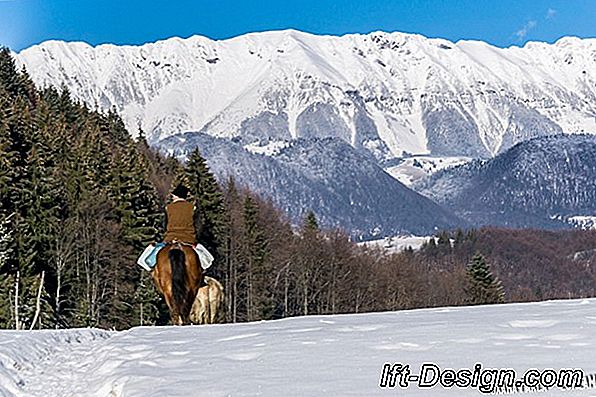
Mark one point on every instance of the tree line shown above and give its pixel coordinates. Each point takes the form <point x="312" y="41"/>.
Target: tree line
<point x="80" y="199"/>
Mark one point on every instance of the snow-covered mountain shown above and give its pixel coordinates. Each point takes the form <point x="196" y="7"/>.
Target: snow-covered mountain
<point x="341" y="355"/>
<point x="344" y="186"/>
<point x="387" y="92"/>
<point x="409" y="104"/>
<point x="543" y="182"/>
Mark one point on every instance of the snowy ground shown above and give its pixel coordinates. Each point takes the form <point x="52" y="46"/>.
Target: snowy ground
<point x="413" y="169"/>
<point x="583" y="222"/>
<point x="398" y="243"/>
<point x="308" y="356"/>
<point x="269" y="149"/>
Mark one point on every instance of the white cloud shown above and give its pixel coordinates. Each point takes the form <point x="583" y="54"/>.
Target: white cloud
<point x="550" y="14"/>
<point x="523" y="32"/>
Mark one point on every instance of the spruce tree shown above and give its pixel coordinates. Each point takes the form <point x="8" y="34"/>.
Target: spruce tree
<point x="15" y="82"/>
<point x="307" y="261"/>
<point x="139" y="209"/>
<point x="82" y="204"/>
<point x="31" y="197"/>
<point x="482" y="286"/>
<point x="310" y="222"/>
<point x="210" y="211"/>
<point x="7" y="154"/>
<point x="459" y="237"/>
<point x="444" y="241"/>
<point x="149" y="306"/>
<point x="232" y="263"/>
<point x="259" y="300"/>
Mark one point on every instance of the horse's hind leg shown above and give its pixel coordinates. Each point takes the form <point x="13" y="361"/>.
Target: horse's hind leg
<point x="177" y="319"/>
<point x="175" y="316"/>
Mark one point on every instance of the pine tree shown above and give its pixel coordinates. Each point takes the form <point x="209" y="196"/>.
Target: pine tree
<point x="307" y="261"/>
<point x="16" y="83"/>
<point x="7" y="154"/>
<point x="29" y="195"/>
<point x="459" y="237"/>
<point x="259" y="296"/>
<point x="429" y="247"/>
<point x="310" y="222"/>
<point x="233" y="265"/>
<point x="149" y="306"/>
<point x="81" y="201"/>
<point x="443" y="241"/>
<point x="113" y="126"/>
<point x="208" y="198"/>
<point x="40" y="204"/>
<point x="483" y="287"/>
<point x="139" y="209"/>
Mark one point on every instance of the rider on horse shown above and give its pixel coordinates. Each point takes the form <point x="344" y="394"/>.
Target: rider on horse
<point x="180" y="225"/>
<point x="180" y="228"/>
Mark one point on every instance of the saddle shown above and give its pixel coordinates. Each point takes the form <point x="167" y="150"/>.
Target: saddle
<point x="178" y="244"/>
<point x="148" y="258"/>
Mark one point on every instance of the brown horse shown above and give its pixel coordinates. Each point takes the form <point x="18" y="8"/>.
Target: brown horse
<point x="177" y="276"/>
<point x="207" y="302"/>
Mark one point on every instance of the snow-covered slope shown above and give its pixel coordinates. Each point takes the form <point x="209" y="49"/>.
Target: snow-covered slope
<point x="344" y="187"/>
<point x="543" y="182"/>
<point x="412" y="169"/>
<point x="388" y="92"/>
<point x="583" y="222"/>
<point x="340" y="355"/>
<point x="397" y="244"/>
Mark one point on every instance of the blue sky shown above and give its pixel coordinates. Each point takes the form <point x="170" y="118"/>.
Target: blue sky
<point x="500" y="22"/>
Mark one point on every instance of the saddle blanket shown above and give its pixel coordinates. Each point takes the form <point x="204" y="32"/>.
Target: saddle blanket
<point x="148" y="258"/>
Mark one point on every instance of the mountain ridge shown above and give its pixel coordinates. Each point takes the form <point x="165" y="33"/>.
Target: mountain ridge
<point x="344" y="186"/>
<point x="560" y="41"/>
<point x="392" y="93"/>
<point x="384" y="95"/>
<point x="542" y="182"/>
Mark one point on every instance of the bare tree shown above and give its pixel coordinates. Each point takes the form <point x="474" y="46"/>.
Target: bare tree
<point x="38" y="301"/>
<point x="63" y="253"/>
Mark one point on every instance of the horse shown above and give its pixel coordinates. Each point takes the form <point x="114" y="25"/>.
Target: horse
<point x="206" y="305"/>
<point x="177" y="276"/>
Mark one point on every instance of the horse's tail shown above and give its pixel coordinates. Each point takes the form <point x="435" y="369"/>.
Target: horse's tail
<point x="179" y="277"/>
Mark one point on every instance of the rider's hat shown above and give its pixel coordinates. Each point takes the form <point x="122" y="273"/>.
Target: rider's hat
<point x="180" y="191"/>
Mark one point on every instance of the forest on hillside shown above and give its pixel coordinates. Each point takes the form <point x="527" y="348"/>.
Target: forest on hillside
<point x="80" y="199"/>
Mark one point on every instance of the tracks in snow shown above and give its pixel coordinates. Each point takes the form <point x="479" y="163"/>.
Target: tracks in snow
<point x="70" y="367"/>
